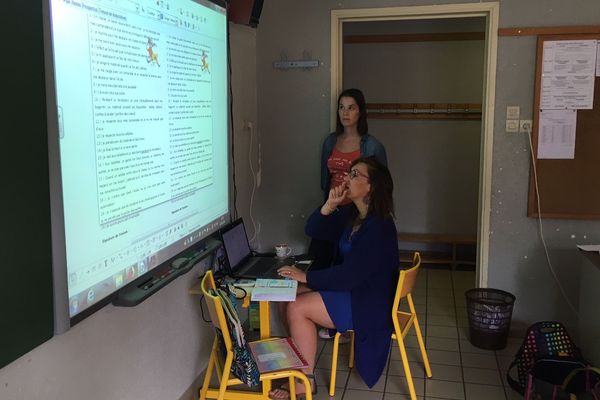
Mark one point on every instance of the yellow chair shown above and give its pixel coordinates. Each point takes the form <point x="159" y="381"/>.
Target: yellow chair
<point x="218" y="318"/>
<point x="402" y="321"/>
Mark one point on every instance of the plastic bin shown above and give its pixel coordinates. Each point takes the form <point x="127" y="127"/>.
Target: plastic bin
<point x="489" y="312"/>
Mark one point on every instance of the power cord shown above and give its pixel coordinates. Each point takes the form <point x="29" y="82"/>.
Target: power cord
<point x="540" y="225"/>
<point x="231" y="119"/>
<point x="254" y="184"/>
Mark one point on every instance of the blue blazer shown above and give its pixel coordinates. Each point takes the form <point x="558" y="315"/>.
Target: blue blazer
<point x="370" y="273"/>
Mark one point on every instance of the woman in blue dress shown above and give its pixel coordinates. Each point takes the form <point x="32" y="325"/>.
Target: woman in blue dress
<point x="358" y="292"/>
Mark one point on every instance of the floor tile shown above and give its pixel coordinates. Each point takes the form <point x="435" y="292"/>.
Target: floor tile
<point x="512" y="346"/>
<point x="324" y="395"/>
<point x="417" y="369"/>
<point x="440" y="309"/>
<point x="438" y="343"/>
<point x="482" y="376"/>
<point x="474" y="360"/>
<point x="353" y="394"/>
<point x="324" y="362"/>
<point x="356" y="382"/>
<point x="449" y="332"/>
<point x="478" y="392"/>
<point x="343" y="348"/>
<point x="323" y="377"/>
<point x="397" y="396"/>
<point x="444" y="389"/>
<point x="442" y="320"/>
<point x="444" y="357"/>
<point x="467" y="347"/>
<point x="446" y="372"/>
<point x="413" y="353"/>
<point x="511" y="394"/>
<point x="398" y="384"/>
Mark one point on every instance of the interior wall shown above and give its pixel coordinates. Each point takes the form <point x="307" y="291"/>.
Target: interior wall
<point x="293" y="115"/>
<point x="434" y="163"/>
<point x="156" y="350"/>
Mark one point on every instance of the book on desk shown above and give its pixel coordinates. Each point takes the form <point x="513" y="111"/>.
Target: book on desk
<point x="274" y="290"/>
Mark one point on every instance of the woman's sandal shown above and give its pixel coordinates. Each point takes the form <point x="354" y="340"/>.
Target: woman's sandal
<point x="283" y="393"/>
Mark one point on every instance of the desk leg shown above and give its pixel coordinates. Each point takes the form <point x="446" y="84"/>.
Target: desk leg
<point x="265" y="320"/>
<point x="265" y="332"/>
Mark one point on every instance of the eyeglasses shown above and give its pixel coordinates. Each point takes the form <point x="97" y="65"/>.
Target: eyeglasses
<point x="354" y="173"/>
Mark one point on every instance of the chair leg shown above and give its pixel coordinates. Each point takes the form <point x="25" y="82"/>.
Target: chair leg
<point x="351" y="360"/>
<point x="292" y="385"/>
<point x="404" y="357"/>
<point x="334" y="357"/>
<point x="209" y="371"/>
<point x="225" y="377"/>
<point x="422" y="347"/>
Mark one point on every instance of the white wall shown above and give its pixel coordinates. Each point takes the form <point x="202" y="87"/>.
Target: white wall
<point x="155" y="350"/>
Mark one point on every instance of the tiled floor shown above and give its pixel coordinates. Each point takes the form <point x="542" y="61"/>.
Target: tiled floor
<point x="460" y="370"/>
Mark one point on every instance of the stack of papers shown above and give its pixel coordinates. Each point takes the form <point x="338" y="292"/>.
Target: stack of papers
<point x="274" y="290"/>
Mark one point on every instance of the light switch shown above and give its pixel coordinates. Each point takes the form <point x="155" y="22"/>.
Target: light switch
<point x="513" y="112"/>
<point x="512" y="125"/>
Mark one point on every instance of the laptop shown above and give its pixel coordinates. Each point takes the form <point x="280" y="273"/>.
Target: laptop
<point x="239" y="260"/>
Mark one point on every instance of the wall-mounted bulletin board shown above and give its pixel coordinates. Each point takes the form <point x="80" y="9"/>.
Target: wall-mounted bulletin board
<point x="566" y="128"/>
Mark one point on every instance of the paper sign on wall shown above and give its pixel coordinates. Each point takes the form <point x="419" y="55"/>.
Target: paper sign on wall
<point x="556" y="135"/>
<point x="568" y="74"/>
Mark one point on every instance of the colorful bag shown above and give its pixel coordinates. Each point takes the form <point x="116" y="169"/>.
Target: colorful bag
<point x="546" y="340"/>
<point x="562" y="380"/>
<point x="243" y="366"/>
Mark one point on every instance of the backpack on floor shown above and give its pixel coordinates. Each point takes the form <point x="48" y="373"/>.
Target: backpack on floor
<point x="549" y="343"/>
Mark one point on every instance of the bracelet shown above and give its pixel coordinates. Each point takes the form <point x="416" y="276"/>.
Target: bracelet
<point x="331" y="209"/>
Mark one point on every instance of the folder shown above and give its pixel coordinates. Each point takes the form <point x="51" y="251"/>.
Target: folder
<point x="277" y="354"/>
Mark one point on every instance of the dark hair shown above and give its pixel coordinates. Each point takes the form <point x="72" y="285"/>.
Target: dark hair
<point x="381" y="201"/>
<point x="359" y="98"/>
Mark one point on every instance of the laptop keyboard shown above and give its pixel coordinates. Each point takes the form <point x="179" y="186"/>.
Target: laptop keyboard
<point x="263" y="267"/>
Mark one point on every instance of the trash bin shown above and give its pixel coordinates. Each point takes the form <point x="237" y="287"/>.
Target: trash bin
<point x="489" y="312"/>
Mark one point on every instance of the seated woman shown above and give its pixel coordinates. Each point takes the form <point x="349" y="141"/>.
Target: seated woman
<point x="358" y="293"/>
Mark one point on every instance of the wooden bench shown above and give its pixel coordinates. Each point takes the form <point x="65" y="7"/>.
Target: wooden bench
<point x="451" y="257"/>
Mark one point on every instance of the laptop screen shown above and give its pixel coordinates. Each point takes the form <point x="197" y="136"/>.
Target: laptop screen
<point x="235" y="243"/>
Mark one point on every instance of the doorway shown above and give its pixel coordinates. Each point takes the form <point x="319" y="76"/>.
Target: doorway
<point x="483" y="14"/>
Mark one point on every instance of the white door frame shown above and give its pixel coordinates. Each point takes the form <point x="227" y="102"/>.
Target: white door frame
<point x="489" y="10"/>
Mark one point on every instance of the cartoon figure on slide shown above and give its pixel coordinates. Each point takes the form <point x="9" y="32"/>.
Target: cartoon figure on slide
<point x="204" y="66"/>
<point x="152" y="55"/>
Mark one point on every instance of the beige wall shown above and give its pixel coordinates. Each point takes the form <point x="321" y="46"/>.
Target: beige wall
<point x="434" y="163"/>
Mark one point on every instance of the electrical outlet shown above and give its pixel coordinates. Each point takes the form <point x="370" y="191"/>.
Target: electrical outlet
<point x="512" y="112"/>
<point x="512" y="125"/>
<point x="525" y="125"/>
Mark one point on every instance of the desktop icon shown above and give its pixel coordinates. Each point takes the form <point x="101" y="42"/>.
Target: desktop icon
<point x="142" y="267"/>
<point x="74" y="306"/>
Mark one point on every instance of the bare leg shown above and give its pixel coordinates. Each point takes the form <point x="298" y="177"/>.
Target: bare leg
<point x="303" y="315"/>
<point x="282" y="306"/>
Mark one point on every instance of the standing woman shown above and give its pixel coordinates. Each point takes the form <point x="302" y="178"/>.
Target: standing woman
<point x="350" y="141"/>
<point x="357" y="293"/>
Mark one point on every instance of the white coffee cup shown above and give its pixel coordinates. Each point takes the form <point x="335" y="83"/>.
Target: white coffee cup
<point x="282" y="250"/>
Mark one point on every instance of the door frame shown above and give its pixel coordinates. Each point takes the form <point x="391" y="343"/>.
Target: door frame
<point x="489" y="10"/>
